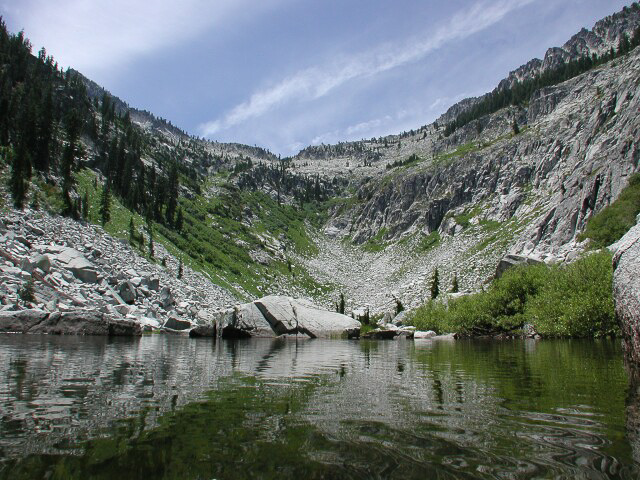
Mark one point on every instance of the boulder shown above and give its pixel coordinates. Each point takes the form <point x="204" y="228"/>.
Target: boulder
<point x="316" y="322"/>
<point x="175" y="323"/>
<point x="295" y="316"/>
<point x="277" y="310"/>
<point x="43" y="262"/>
<point x="75" y="262"/>
<point x="626" y="291"/>
<point x="380" y="335"/>
<point x="20" y="321"/>
<point x="203" y="331"/>
<point x="249" y="318"/>
<point x="509" y="261"/>
<point x="400" y="318"/>
<point x="67" y="323"/>
<point x="279" y="315"/>
<point x="166" y="299"/>
<point x="424" y="335"/>
<point x="127" y="292"/>
<point x="151" y="282"/>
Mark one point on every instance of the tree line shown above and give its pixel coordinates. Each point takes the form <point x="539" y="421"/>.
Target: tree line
<point x="47" y="119"/>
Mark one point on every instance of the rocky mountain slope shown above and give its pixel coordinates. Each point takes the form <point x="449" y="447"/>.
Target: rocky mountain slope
<point x="372" y="219"/>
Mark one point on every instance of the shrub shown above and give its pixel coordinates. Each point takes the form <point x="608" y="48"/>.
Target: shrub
<point x="27" y="292"/>
<point x="576" y="300"/>
<point x="561" y="301"/>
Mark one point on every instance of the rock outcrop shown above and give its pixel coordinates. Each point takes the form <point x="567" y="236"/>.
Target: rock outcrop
<point x="275" y="315"/>
<point x="66" y="323"/>
<point x="626" y="291"/>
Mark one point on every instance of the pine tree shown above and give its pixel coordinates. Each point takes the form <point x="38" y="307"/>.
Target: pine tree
<point x="179" y="220"/>
<point x="18" y="181"/>
<point x="150" y="232"/>
<point x="69" y="156"/>
<point x="454" y="284"/>
<point x="516" y="128"/>
<point x="435" y="284"/>
<point x="180" y="269"/>
<point x="340" y="304"/>
<point x="105" y="203"/>
<point x="173" y="189"/>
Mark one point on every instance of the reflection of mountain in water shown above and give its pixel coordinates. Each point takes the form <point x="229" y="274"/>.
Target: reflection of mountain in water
<point x="530" y="408"/>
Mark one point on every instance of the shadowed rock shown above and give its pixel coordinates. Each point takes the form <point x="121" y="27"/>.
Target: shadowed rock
<point x="626" y="290"/>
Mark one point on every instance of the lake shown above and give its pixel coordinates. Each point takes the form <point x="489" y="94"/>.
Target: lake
<point x="171" y="407"/>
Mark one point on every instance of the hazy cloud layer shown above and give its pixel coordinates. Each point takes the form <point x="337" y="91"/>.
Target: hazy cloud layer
<point x="92" y="35"/>
<point x="317" y="81"/>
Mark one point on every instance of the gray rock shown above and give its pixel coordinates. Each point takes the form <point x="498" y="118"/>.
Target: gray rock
<point x="81" y="268"/>
<point x="626" y="291"/>
<point x="294" y="316"/>
<point x="175" y="323"/>
<point x="509" y="261"/>
<point x="249" y="318"/>
<point x="418" y="335"/>
<point x="21" y="321"/>
<point x="399" y="319"/>
<point x="43" y="262"/>
<point x="127" y="292"/>
<point x="67" y="323"/>
<point x="166" y="299"/>
<point x="151" y="282"/>
<point x="380" y="335"/>
<point x="203" y="331"/>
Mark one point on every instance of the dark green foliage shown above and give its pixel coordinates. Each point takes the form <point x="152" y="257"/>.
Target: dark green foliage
<point x="18" y="180"/>
<point x="515" y="128"/>
<point x="568" y="301"/>
<point x="614" y="221"/>
<point x="454" y="283"/>
<point x="179" y="220"/>
<point x="27" y="292"/>
<point x="399" y="306"/>
<point x="435" y="284"/>
<point x="340" y="305"/>
<point x="576" y="301"/>
<point x="85" y="205"/>
<point x="411" y="160"/>
<point x="105" y="204"/>
<point x="151" y="246"/>
<point x="180" y="269"/>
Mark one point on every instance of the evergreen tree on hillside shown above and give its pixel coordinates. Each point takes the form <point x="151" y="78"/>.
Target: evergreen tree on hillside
<point x="69" y="157"/>
<point x="435" y="284"/>
<point x="173" y="190"/>
<point x="105" y="203"/>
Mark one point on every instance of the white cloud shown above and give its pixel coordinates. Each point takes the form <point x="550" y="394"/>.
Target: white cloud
<point x="90" y="35"/>
<point x="315" y="82"/>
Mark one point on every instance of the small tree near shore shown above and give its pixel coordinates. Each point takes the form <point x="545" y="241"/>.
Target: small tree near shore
<point x="435" y="284"/>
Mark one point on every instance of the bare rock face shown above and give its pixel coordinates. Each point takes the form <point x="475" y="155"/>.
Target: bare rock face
<point x="626" y="291"/>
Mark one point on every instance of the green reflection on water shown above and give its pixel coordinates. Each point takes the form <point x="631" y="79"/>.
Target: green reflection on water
<point x="468" y="409"/>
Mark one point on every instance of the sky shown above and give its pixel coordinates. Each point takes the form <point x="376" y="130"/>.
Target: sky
<point x="285" y="74"/>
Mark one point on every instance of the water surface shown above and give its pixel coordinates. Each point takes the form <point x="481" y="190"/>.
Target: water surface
<point x="172" y="407"/>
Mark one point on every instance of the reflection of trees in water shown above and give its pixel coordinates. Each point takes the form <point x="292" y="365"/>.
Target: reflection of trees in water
<point x="633" y="410"/>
